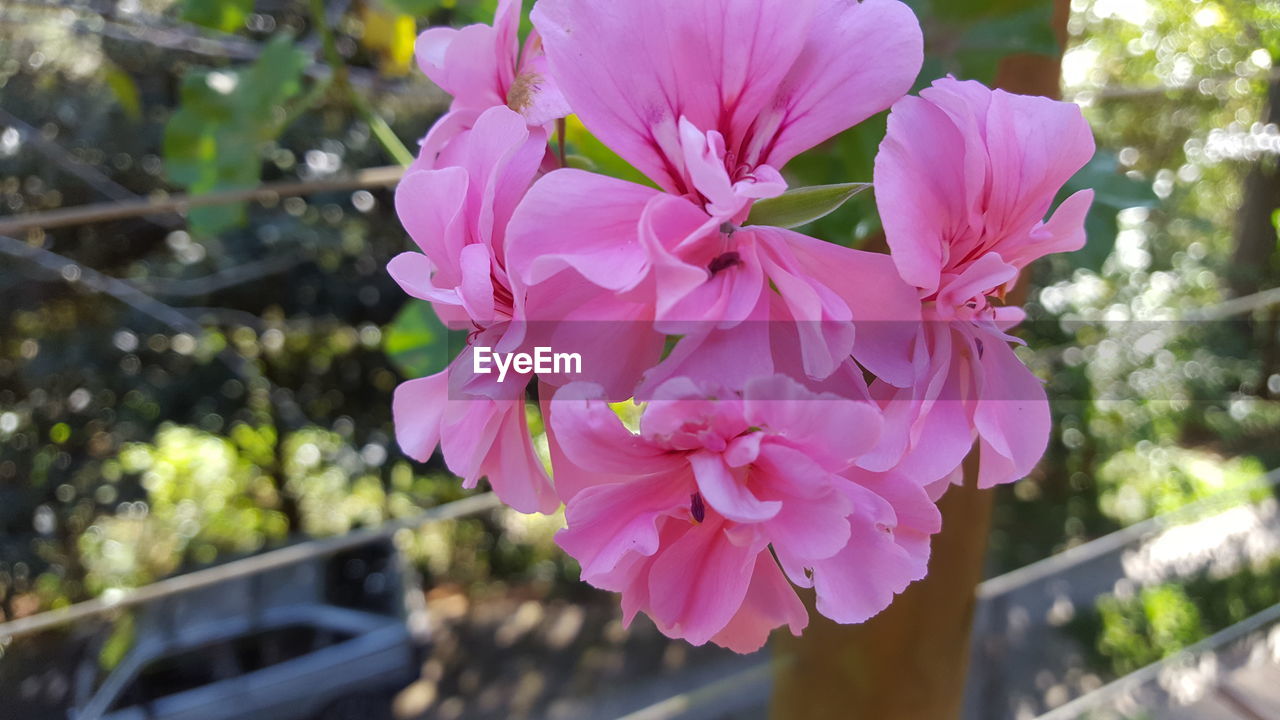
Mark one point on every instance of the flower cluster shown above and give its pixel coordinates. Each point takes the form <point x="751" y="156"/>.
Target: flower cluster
<point x="798" y="406"/>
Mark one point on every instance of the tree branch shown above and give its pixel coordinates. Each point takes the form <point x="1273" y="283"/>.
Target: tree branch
<point x="179" y="204"/>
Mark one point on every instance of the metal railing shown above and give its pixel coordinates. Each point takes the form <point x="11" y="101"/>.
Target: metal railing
<point x="1118" y="689"/>
<point x="253" y="565"/>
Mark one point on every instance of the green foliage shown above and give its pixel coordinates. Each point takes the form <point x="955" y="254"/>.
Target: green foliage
<point x="969" y="38"/>
<point x="1157" y="623"/>
<point x="1135" y="631"/>
<point x="226" y="119"/>
<point x="801" y="206"/>
<point x="1113" y="192"/>
<point x="849" y="156"/>
<point x="585" y="152"/>
<point x="985" y="43"/>
<point x="223" y="15"/>
<point x="451" y="12"/>
<point x="122" y="639"/>
<point x="417" y="343"/>
<point x="204" y="498"/>
<point x="1148" y="480"/>
<point x="1275" y="256"/>
<point x="125" y="91"/>
<point x="416" y="8"/>
<point x="209" y="496"/>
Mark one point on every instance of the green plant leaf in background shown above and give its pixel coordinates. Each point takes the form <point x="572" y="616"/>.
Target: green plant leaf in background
<point x="802" y="206"/>
<point x="1113" y="192"/>
<point x="587" y="152"/>
<point x="968" y="38"/>
<point x="1275" y="256"/>
<point x="417" y="343"/>
<point x="985" y="43"/>
<point x="416" y="8"/>
<point x="224" y="15"/>
<point x="125" y="90"/>
<point x="225" y="118"/>
<point x="848" y="156"/>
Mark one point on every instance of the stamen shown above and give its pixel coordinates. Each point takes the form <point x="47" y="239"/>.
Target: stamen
<point x="697" y="508"/>
<point x="724" y="262"/>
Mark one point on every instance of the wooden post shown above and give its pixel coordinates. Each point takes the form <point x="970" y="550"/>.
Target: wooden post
<point x="909" y="662"/>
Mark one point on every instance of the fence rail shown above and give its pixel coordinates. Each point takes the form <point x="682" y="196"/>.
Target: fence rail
<point x="253" y="565"/>
<point x="378" y="177"/>
<point x="1118" y="689"/>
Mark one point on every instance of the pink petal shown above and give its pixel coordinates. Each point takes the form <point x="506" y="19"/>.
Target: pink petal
<point x="984" y="275"/>
<point x="632" y="68"/>
<point x="809" y="529"/>
<point x="501" y="156"/>
<point x="942" y="431"/>
<point x="438" y="147"/>
<point x="770" y="603"/>
<point x="730" y="358"/>
<point x="822" y="318"/>
<point x="719" y="300"/>
<point x="965" y="171"/>
<point x="476" y="289"/>
<point x="539" y="98"/>
<point x="858" y="582"/>
<point x="885" y="310"/>
<point x="1035" y="145"/>
<point x="513" y="467"/>
<point x="413" y="273"/>
<point x="727" y="493"/>
<point x="580" y="220"/>
<point x="698" y="582"/>
<point x="1012" y="417"/>
<point x="594" y="438"/>
<point x="920" y="189"/>
<point x="831" y="430"/>
<point x="858" y="59"/>
<point x="430" y="208"/>
<point x="1064" y="232"/>
<point x="605" y="522"/>
<point x="475" y="64"/>
<point x="469" y="432"/>
<point x="743" y="450"/>
<point x="418" y="409"/>
<point x="614" y="336"/>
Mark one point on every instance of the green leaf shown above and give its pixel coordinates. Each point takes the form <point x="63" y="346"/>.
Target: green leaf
<point x="1113" y="192"/>
<point x="850" y="154"/>
<point x="416" y="8"/>
<point x="985" y="43"/>
<point x="125" y="90"/>
<point x="224" y="15"/>
<point x="225" y="119"/>
<point x="590" y="152"/>
<point x="417" y="343"/>
<point x="803" y="205"/>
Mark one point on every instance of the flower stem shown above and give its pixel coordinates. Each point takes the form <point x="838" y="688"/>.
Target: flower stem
<point x="342" y="84"/>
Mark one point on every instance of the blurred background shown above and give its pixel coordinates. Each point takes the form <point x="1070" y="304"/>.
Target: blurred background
<point x="203" y="513"/>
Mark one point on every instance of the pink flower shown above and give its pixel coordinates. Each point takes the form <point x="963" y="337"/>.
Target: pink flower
<point x="711" y="98"/>
<point x="710" y="105"/>
<point x="483" y="67"/>
<point x="963" y="181"/>
<point x="458" y="217"/>
<point x="685" y="518"/>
